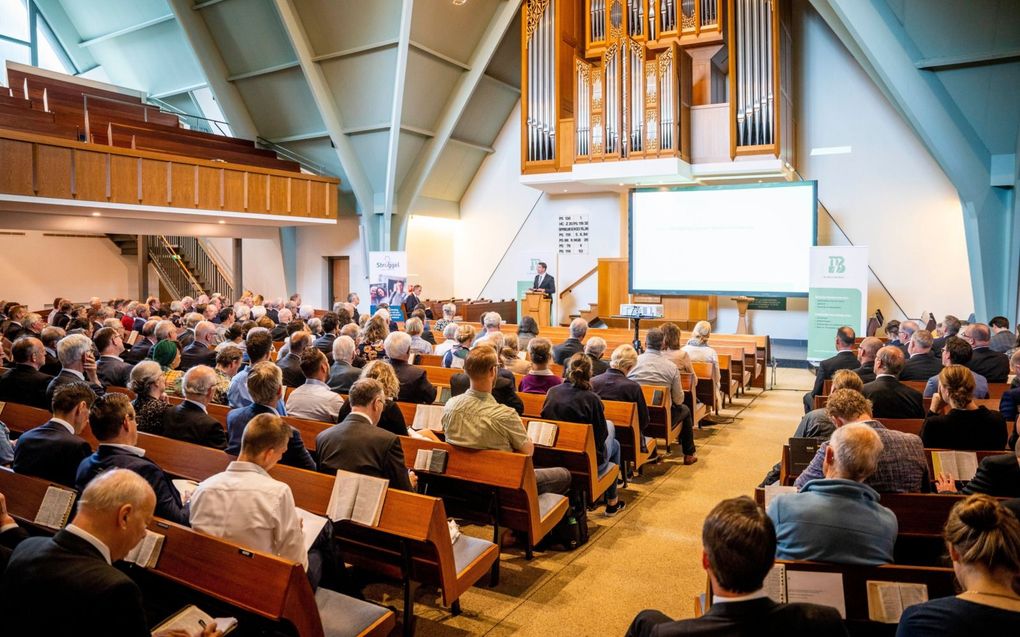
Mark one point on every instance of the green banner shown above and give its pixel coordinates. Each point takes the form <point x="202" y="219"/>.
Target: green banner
<point x="830" y="309"/>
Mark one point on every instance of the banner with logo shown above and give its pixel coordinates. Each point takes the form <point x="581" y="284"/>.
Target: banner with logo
<point x="838" y="296"/>
<point x="387" y="276"/>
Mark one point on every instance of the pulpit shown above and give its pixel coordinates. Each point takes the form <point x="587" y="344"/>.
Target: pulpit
<point x="539" y="307"/>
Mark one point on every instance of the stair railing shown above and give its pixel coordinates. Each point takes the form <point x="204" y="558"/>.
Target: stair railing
<point x="168" y="266"/>
<point x="208" y="274"/>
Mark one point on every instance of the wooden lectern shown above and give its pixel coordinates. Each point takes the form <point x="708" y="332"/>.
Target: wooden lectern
<point x="539" y="307"/>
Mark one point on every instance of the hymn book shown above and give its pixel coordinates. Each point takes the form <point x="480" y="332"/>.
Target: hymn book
<point x="814" y="587"/>
<point x="132" y="337"/>
<point x="146" y="552"/>
<point x="185" y="488"/>
<point x="431" y="460"/>
<point x="962" y="465"/>
<point x="542" y="433"/>
<point x="358" y="498"/>
<point x="888" y="600"/>
<point x="55" y="507"/>
<point x="193" y="620"/>
<point x="428" y="417"/>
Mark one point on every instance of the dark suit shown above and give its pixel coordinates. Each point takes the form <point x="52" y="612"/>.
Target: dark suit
<point x="739" y="619"/>
<point x="52" y="365"/>
<point x="291" y="367"/>
<point x="138" y="352"/>
<point x="414" y="385"/>
<point x="26" y="385"/>
<point x="186" y="337"/>
<point x="342" y="376"/>
<point x="168" y="499"/>
<point x="866" y="372"/>
<point x="279" y="333"/>
<point x="9" y="540"/>
<point x="296" y="454"/>
<point x="614" y="385"/>
<point x="826" y="370"/>
<point x="61" y="320"/>
<point x="197" y="354"/>
<point x="410" y="302"/>
<point x="325" y="345"/>
<point x="50" y="452"/>
<point x="562" y="352"/>
<point x="937" y="345"/>
<point x="504" y="390"/>
<point x="548" y="284"/>
<point x="112" y="371"/>
<point x="189" y="423"/>
<point x="921" y="367"/>
<point x="892" y="399"/>
<point x="997" y="476"/>
<point x="65" y="378"/>
<point x="992" y="365"/>
<point x="356" y="445"/>
<point x="63" y="586"/>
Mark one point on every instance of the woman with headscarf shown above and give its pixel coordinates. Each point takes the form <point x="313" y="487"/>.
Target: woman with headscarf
<point x="168" y="355"/>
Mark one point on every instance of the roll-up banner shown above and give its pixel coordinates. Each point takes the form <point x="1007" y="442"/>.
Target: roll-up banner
<point x="838" y="296"/>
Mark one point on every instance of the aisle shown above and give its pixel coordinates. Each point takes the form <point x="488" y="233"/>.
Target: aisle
<point x="648" y="556"/>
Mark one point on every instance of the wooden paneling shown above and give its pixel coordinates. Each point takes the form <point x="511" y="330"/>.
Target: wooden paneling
<point x="233" y="190"/>
<point x="279" y="199"/>
<point x="299" y="201"/>
<point x="52" y="171"/>
<point x="210" y="188"/>
<point x="258" y="192"/>
<point x="16" y="174"/>
<point x="124" y="179"/>
<point x="154" y="183"/>
<point x="90" y="176"/>
<point x="182" y="186"/>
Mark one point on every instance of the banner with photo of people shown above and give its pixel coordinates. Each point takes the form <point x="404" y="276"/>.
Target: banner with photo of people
<point x="387" y="275"/>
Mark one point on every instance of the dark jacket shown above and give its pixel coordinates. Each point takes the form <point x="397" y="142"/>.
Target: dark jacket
<point x="548" y="284"/>
<point x="410" y="302"/>
<point x="51" y="366"/>
<point x="828" y="368"/>
<point x="921" y="367"/>
<point x="562" y="352"/>
<point x="325" y="345"/>
<point x="64" y="378"/>
<point x="997" y="476"/>
<point x="138" y="352"/>
<point x="341" y="376"/>
<point x="26" y="385"/>
<point x="197" y="354"/>
<point x="113" y="372"/>
<point x="185" y="338"/>
<point x="291" y="367"/>
<point x="9" y="540"/>
<point x="967" y="430"/>
<point x="614" y="385"/>
<point x="570" y="404"/>
<point x="992" y="365"/>
<point x="414" y="385"/>
<point x="754" y="617"/>
<point x="866" y="372"/>
<point x="356" y="445"/>
<point x="296" y="454"/>
<point x="279" y="333"/>
<point x="189" y="423"/>
<point x="50" y="452"/>
<point x="504" y="390"/>
<point x="63" y="586"/>
<point x="168" y="499"/>
<point x="391" y="420"/>
<point x="892" y="399"/>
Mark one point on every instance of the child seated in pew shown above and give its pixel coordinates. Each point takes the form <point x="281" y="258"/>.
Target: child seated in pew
<point x="540" y="378"/>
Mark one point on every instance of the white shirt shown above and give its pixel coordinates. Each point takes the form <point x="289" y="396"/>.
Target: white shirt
<point x="314" y="401"/>
<point x="244" y="504"/>
<point x="91" y="539"/>
<point x="758" y="594"/>
<point x="66" y="424"/>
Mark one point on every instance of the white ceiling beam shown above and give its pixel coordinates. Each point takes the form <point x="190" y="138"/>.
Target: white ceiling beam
<point x="207" y="3"/>
<point x="472" y="145"/>
<point x="276" y="68"/>
<point x="300" y="137"/>
<point x="126" y="30"/>
<point x="180" y="90"/>
<point x="390" y="195"/>
<point x="326" y="105"/>
<point x="382" y="45"/>
<point x="196" y="32"/>
<point x="480" y="58"/>
<point x="967" y="60"/>
<point x="500" y="83"/>
<point x="442" y="57"/>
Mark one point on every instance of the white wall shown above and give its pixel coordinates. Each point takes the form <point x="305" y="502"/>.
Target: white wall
<point x="261" y="263"/>
<point x="314" y="244"/>
<point x="430" y="260"/>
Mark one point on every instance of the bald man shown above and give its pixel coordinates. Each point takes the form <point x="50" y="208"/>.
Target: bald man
<point x="866" y="355"/>
<point x="889" y="397"/>
<point x="202" y="350"/>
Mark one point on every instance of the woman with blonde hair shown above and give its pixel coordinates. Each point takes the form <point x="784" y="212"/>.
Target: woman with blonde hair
<point x="511" y="355"/>
<point x="955" y="421"/>
<point x="392" y="419"/>
<point x="455" y="356"/>
<point x="672" y="349"/>
<point x="370" y="341"/>
<point x="983" y="539"/>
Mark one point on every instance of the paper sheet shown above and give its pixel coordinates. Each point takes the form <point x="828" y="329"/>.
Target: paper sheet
<point x="816" y="588"/>
<point x="311" y="526"/>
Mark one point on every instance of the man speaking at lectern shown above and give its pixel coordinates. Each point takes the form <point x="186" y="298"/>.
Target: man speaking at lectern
<point x="544" y="282"/>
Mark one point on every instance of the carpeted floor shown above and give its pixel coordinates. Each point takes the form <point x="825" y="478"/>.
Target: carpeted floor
<point x="648" y="556"/>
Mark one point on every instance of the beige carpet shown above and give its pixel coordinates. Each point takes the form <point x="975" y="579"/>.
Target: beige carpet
<point x="648" y="556"/>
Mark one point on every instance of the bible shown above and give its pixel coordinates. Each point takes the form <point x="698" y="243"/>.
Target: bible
<point x="431" y="460"/>
<point x="887" y="600"/>
<point x="193" y="620"/>
<point x="146" y="552"/>
<point x="428" y="417"/>
<point x="358" y="498"/>
<point x="132" y="338"/>
<point x="962" y="465"/>
<point x="55" y="507"/>
<point x="542" y="433"/>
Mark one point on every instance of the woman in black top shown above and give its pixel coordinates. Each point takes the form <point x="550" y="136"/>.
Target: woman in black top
<point x="983" y="539"/>
<point x="392" y="419"/>
<point x="956" y="422"/>
<point x="574" y="401"/>
<point x="148" y="383"/>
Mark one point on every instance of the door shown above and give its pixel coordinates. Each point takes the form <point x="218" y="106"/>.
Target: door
<point x="339" y="278"/>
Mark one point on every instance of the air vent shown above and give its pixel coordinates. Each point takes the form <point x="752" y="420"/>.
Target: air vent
<point x="74" y="236"/>
<point x="12" y="234"/>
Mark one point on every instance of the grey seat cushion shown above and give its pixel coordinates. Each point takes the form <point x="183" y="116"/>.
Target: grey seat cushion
<point x="467" y="549"/>
<point x="547" y="502"/>
<point x="344" y="616"/>
<point x="609" y="467"/>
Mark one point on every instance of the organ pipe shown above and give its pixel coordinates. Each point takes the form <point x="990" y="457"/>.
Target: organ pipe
<point x="753" y="74"/>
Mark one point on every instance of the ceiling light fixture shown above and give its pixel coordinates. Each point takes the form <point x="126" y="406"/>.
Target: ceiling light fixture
<point x="97" y="214"/>
<point x="222" y="222"/>
<point x="459" y="3"/>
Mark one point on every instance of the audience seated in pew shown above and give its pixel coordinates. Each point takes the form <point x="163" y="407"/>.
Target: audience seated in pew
<point x="1003" y="339"/>
<point x="50" y="336"/>
<point x="450" y="340"/>
<point x="504" y="390"/>
<point x="957" y="351"/>
<point x="997" y="476"/>
<point x="78" y="365"/>
<point x="25" y="383"/>
<point x="922" y="363"/>
<point x="540" y="378"/>
<point x="244" y="504"/>
<point x="54" y="450"/>
<point x="572" y="345"/>
<point x="956" y="422"/>
<point x="392" y="419"/>
<point x="258" y="345"/>
<point x="843" y="359"/>
<point x="985" y="361"/>
<point x="463" y="338"/>
<point x="265" y="386"/>
<point x="511" y="358"/>
<point x="739" y="549"/>
<point x="414" y="384"/>
<point x="594" y="349"/>
<point x="1010" y="401"/>
<point x="614" y="385"/>
<point x="414" y="328"/>
<point x="314" y="400"/>
<point x="343" y="373"/>
<point x="331" y="322"/>
<point x="190" y="420"/>
<point x="358" y="445"/>
<point x="838" y="518"/>
<point x="449" y="314"/>
<point x="490" y="325"/>
<point x="983" y="540"/>
<point x="698" y="349"/>
<point x="889" y="397"/>
<point x="201" y="350"/>
<point x="290" y="364"/>
<point x="475" y="420"/>
<point x="151" y="404"/>
<point x="6" y="446"/>
<point x="168" y="354"/>
<point x="11" y="535"/>
<point x="902" y="466"/>
<point x="111" y="368"/>
<point x="66" y="584"/>
<point x="654" y="368"/>
<point x="229" y="359"/>
<point x="370" y="341"/>
<point x="527" y="329"/>
<point x="673" y="350"/>
<point x="574" y="401"/>
<point x="112" y="421"/>
<point x="146" y="339"/>
<point x="866" y="353"/>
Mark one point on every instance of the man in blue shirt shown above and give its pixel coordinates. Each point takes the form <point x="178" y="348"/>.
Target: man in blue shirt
<point x="258" y="344"/>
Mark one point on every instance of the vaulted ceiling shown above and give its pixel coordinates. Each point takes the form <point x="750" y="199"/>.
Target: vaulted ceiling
<point x="400" y="99"/>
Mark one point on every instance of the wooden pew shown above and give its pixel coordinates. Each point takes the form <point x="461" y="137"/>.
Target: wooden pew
<point x="707" y="391"/>
<point x="628" y="432"/>
<point x="739" y="373"/>
<point x="258" y="583"/>
<point x="498" y="487"/>
<point x="660" y="408"/>
<point x="429" y="360"/>
<point x="575" y="451"/>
